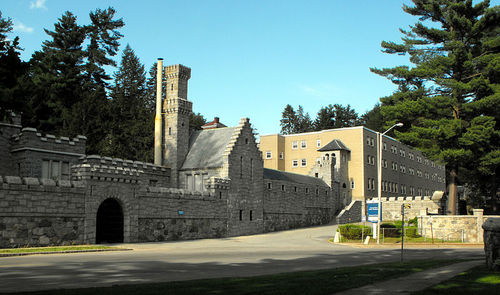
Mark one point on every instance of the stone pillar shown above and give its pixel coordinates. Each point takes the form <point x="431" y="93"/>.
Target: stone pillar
<point x="492" y="243"/>
<point x="479" y="222"/>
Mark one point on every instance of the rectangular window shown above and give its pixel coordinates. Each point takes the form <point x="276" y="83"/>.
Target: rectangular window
<point x="352" y="184"/>
<point x="241" y="215"/>
<point x="65" y="170"/>
<point x="283" y="187"/>
<point x="303" y="162"/>
<point x="189" y="182"/>
<point x="198" y="184"/>
<point x="295" y="145"/>
<point x="281" y="156"/>
<point x="303" y="144"/>
<point x="385" y="146"/>
<point x="268" y="155"/>
<point x="368" y="140"/>
<point x="251" y="215"/>
<point x="295" y="163"/>
<point x="45" y="169"/>
<point x="318" y="143"/>
<point x="269" y="185"/>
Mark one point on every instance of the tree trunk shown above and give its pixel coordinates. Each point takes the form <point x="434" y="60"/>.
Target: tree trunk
<point x="452" y="192"/>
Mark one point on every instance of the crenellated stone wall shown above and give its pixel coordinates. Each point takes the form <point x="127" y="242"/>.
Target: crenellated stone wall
<point x="391" y="206"/>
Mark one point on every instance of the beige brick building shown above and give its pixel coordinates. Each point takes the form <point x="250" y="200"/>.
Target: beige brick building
<point x="405" y="172"/>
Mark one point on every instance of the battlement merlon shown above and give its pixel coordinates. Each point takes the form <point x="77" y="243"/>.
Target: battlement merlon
<point x="119" y="170"/>
<point x="31" y="138"/>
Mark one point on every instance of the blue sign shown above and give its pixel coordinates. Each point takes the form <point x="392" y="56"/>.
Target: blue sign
<point x="372" y="210"/>
<point x="180" y="212"/>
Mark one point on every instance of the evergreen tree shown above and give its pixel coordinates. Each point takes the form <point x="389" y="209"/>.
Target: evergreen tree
<point x="132" y="124"/>
<point x="373" y="119"/>
<point x="12" y="70"/>
<point x="449" y="101"/>
<point x="335" y="116"/>
<point x="196" y="120"/>
<point x="304" y="122"/>
<point x="288" y="121"/>
<point x="68" y="83"/>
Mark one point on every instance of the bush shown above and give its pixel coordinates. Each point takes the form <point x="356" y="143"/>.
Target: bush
<point x="354" y="231"/>
<point x="413" y="221"/>
<point x="390" y="230"/>
<point x="412" y="232"/>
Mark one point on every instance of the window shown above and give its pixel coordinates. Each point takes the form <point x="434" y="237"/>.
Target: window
<point x="268" y="155"/>
<point x="368" y="140"/>
<point x="318" y="160"/>
<point x="295" y="189"/>
<point x="169" y="130"/>
<point x="295" y="145"/>
<point x="269" y="185"/>
<point x="241" y="215"/>
<point x="303" y="163"/>
<point x="241" y="167"/>
<point x="317" y="191"/>
<point x="251" y="215"/>
<point x="282" y="187"/>
<point x="303" y="144"/>
<point x="385" y="163"/>
<point x="318" y="143"/>
<point x="295" y="163"/>
<point x="372" y="142"/>
<point x="352" y="184"/>
<point x="385" y="146"/>
<point x="251" y="168"/>
<point x="55" y="170"/>
<point x="281" y="155"/>
<point x="402" y="153"/>
<point x="307" y="190"/>
<point x="189" y="182"/>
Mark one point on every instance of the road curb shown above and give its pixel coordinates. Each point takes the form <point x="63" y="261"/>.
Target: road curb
<point x="61" y="252"/>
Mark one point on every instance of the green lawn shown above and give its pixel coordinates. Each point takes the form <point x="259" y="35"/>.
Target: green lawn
<point x="478" y="280"/>
<point x="53" y="249"/>
<point x="308" y="282"/>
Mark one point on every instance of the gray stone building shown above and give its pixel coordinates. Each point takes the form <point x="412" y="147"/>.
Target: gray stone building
<point x="204" y="184"/>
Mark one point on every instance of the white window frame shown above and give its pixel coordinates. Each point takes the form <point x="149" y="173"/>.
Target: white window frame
<point x="295" y="163"/>
<point x="269" y="155"/>
<point x="281" y="155"/>
<point x="295" y="145"/>
<point x="303" y="144"/>
<point x="303" y="162"/>
<point x="318" y="142"/>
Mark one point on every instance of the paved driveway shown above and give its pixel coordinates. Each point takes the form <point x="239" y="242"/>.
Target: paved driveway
<point x="286" y="251"/>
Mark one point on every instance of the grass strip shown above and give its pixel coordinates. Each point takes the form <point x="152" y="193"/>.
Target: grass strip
<point x="53" y="249"/>
<point x="477" y="280"/>
<point x="306" y="282"/>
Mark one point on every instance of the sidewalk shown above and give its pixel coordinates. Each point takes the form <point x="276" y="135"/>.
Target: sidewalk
<point x="415" y="282"/>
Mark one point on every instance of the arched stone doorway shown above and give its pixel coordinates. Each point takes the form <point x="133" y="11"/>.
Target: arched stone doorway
<point x="109" y="223"/>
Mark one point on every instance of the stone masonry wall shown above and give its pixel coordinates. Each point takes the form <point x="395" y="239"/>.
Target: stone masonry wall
<point x="454" y="227"/>
<point x="391" y="207"/>
<point x="292" y="205"/>
<point x="40" y="212"/>
<point x="351" y="213"/>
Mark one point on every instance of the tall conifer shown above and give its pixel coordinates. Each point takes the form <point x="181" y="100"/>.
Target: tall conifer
<point x="449" y="100"/>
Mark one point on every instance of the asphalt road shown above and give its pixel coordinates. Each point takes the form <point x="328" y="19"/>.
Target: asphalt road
<point x="287" y="251"/>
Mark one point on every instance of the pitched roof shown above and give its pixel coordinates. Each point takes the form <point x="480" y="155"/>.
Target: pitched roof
<point x="292" y="177"/>
<point x="214" y="124"/>
<point x="334" y="145"/>
<point x="206" y="148"/>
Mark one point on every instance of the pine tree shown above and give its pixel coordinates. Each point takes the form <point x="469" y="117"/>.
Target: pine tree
<point x="373" y="119"/>
<point x="132" y="123"/>
<point x="335" y="116"/>
<point x="12" y="70"/>
<point x="304" y="122"/>
<point x="449" y="100"/>
<point x="288" y="121"/>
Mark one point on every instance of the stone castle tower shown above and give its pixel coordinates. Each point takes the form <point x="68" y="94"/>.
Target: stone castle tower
<point x="174" y="130"/>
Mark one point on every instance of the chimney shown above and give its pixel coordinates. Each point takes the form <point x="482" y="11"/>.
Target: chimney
<point x="158" y="119"/>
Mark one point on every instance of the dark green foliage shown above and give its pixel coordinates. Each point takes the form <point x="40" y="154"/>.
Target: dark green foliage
<point x="12" y="70"/>
<point x="295" y="122"/>
<point x="354" y="231"/>
<point x="335" y="116"/>
<point x="68" y="83"/>
<point x="329" y="117"/>
<point x="131" y="132"/>
<point x="373" y="119"/>
<point x="196" y="121"/>
<point x="449" y="100"/>
<point x="390" y="230"/>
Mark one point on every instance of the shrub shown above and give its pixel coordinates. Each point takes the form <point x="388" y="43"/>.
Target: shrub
<point x="354" y="231"/>
<point x="412" y="232"/>
<point x="413" y="221"/>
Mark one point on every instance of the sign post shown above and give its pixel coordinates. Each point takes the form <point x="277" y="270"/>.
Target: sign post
<point x="373" y="215"/>
<point x="403" y="207"/>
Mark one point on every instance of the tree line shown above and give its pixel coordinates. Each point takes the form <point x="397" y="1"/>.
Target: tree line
<point x="328" y="117"/>
<point x="64" y="88"/>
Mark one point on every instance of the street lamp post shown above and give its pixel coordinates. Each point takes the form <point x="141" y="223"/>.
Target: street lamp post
<point x="379" y="175"/>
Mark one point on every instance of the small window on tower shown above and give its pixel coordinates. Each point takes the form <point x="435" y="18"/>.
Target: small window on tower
<point x="172" y="86"/>
<point x="169" y="130"/>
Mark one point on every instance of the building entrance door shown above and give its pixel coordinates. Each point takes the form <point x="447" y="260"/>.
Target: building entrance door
<point x="109" y="224"/>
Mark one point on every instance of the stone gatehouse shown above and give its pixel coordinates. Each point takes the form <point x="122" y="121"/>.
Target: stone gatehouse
<point x="204" y="184"/>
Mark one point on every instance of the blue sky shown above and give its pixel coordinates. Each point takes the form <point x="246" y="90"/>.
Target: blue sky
<point x="248" y="58"/>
